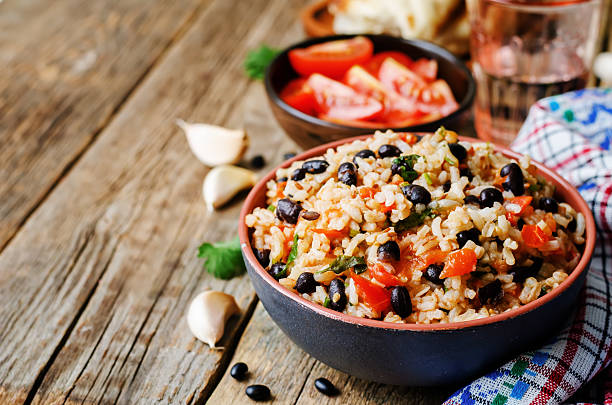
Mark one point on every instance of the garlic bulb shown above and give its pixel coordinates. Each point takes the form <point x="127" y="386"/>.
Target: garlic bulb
<point x="208" y="313"/>
<point x="602" y="67"/>
<point x="224" y="182"/>
<point x="214" y="145"/>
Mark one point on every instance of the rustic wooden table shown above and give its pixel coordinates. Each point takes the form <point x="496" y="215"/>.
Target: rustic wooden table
<point x="101" y="212"/>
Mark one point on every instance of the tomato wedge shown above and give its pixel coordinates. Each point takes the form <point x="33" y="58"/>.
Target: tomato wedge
<point x="516" y="207"/>
<point x="459" y="262"/>
<point x="534" y="236"/>
<point x="338" y="101"/>
<point x="373" y="65"/>
<point x="399" y="78"/>
<point x="426" y="68"/>
<point x="299" y="96"/>
<point x="376" y="297"/>
<point x="380" y="273"/>
<point x="331" y="58"/>
<point x="438" y="98"/>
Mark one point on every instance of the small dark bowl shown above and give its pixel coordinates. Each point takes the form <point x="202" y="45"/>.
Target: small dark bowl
<point x="415" y="354"/>
<point x="308" y="131"/>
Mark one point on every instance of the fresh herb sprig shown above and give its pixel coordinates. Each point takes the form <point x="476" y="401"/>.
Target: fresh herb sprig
<point x="405" y="166"/>
<point x="257" y="60"/>
<point x="223" y="259"/>
<point x="413" y="220"/>
<point x="343" y="263"/>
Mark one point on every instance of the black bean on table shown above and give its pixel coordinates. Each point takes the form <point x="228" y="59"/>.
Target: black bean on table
<point x="325" y="387"/>
<point x="258" y="162"/>
<point x="400" y="301"/>
<point x="458" y="151"/>
<point x="239" y="371"/>
<point x="337" y="296"/>
<point x="471" y="234"/>
<point x="416" y="194"/>
<point x="548" y="204"/>
<point x="288" y="211"/>
<point x="432" y="273"/>
<point x="306" y="283"/>
<point x="388" y="251"/>
<point x="278" y="270"/>
<point x="315" y="166"/>
<point x="489" y="196"/>
<point x="262" y="256"/>
<point x="491" y="293"/>
<point x="388" y="151"/>
<point x="310" y="215"/>
<point x="258" y="392"/>
<point x="298" y="174"/>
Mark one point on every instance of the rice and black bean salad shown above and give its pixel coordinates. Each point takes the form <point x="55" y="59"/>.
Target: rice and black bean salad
<point x="419" y="232"/>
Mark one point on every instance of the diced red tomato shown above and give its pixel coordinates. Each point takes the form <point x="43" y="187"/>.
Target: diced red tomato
<point x="459" y="262"/>
<point x="550" y="221"/>
<point x="376" y="297"/>
<point x="407" y="137"/>
<point x="299" y="96"/>
<point x="522" y="204"/>
<point x="337" y="100"/>
<point x="331" y="58"/>
<point x="373" y="65"/>
<point x="412" y="262"/>
<point x="387" y="208"/>
<point x="367" y="192"/>
<point x="382" y="275"/>
<point x="331" y="233"/>
<point x="426" y="68"/>
<point x="534" y="236"/>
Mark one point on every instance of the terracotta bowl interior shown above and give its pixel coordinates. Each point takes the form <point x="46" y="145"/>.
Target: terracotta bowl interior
<point x="565" y="192"/>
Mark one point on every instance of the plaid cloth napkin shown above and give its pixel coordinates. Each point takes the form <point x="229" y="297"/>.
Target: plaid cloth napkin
<point x="572" y="134"/>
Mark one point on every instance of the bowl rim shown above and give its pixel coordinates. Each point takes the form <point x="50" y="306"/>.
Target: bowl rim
<point x="430" y="47"/>
<point x="582" y="265"/>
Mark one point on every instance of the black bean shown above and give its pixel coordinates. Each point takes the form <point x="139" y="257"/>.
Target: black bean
<point x="458" y="151"/>
<point x="400" y="301"/>
<point x="572" y="225"/>
<point x="510" y="168"/>
<point x="388" y="251"/>
<point x="281" y="179"/>
<point x="288" y="211"/>
<point x="306" y="283"/>
<point x="549" y="204"/>
<point x="239" y="371"/>
<point x="466" y="172"/>
<point x="491" y="293"/>
<point x="432" y="273"/>
<point x="515" y="183"/>
<point x="446" y="186"/>
<point x="258" y="392"/>
<point x="471" y="199"/>
<point x="289" y="155"/>
<point x="363" y="154"/>
<point x="278" y="270"/>
<point x="325" y="387"/>
<point x="520" y="224"/>
<point x="416" y="194"/>
<point x="298" y="174"/>
<point x="471" y="234"/>
<point x="310" y="215"/>
<point x="388" y="151"/>
<point x="522" y="273"/>
<point x="337" y="296"/>
<point x="262" y="256"/>
<point x="315" y="166"/>
<point x="258" y="162"/>
<point x="490" y="195"/>
<point x="347" y="174"/>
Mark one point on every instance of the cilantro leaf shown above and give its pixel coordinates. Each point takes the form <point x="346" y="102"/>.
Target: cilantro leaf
<point x="293" y="253"/>
<point x="223" y="259"/>
<point x="413" y="220"/>
<point x="343" y="263"/>
<point x="405" y="166"/>
<point x="257" y="61"/>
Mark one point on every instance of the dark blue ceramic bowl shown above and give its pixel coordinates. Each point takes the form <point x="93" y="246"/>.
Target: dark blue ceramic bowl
<point x="410" y="354"/>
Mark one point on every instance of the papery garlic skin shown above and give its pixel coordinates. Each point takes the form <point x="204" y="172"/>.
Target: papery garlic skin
<point x="223" y="182"/>
<point x="214" y="145"/>
<point x="208" y="313"/>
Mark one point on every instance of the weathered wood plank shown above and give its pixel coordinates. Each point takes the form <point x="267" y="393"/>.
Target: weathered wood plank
<point x="66" y="69"/>
<point x="290" y="373"/>
<point x="94" y="287"/>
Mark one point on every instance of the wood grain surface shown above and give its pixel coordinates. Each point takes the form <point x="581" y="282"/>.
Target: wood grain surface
<point x="101" y="210"/>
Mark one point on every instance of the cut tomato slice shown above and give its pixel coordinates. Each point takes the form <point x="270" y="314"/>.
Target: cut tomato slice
<point x="383" y="276"/>
<point x="299" y="96"/>
<point x="459" y="262"/>
<point x="399" y="78"/>
<point x="376" y="297"/>
<point x="437" y="98"/>
<point x="331" y="58"/>
<point x="373" y="65"/>
<point x="338" y="101"/>
<point x="426" y="68"/>
<point x="534" y="236"/>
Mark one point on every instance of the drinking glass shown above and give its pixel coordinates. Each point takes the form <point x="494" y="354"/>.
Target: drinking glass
<point x="526" y="50"/>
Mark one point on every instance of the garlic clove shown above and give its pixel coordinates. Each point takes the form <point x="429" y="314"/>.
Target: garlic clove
<point x="602" y="67"/>
<point x="208" y="313"/>
<point x="223" y="182"/>
<point x="214" y="145"/>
